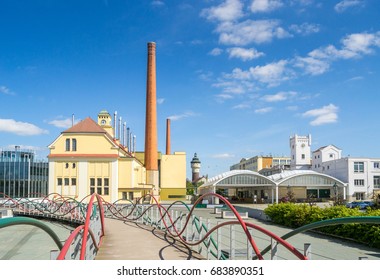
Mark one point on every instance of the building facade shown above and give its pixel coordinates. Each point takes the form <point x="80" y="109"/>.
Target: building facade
<point x="88" y="158"/>
<point x="258" y="163"/>
<point x="300" y="152"/>
<point x="21" y="175"/>
<point x="361" y="174"/>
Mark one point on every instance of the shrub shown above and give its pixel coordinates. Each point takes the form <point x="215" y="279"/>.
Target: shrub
<point x="296" y="215"/>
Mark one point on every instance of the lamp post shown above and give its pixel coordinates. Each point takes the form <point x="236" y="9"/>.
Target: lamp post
<point x="335" y="189"/>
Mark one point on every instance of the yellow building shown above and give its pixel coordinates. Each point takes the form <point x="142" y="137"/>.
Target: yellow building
<point x="87" y="158"/>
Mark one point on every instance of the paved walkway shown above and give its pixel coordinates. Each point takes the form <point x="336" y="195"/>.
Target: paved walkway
<point x="130" y="241"/>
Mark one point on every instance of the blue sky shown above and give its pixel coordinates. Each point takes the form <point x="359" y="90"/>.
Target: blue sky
<point x="237" y="77"/>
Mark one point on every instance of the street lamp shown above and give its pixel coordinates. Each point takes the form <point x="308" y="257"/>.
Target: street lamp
<point x="335" y="189"/>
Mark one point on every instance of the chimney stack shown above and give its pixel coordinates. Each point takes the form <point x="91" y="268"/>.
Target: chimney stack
<point x="151" y="159"/>
<point x="151" y="153"/>
<point x="168" y="152"/>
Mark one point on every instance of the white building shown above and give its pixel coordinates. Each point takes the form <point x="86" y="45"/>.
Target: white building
<point x="323" y="154"/>
<point x="300" y="152"/>
<point x="361" y="174"/>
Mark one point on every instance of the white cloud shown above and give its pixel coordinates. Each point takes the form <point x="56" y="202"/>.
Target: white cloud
<point x="64" y="123"/>
<point x="345" y="4"/>
<point x="244" y="54"/>
<point x="353" y="46"/>
<point x="223" y="97"/>
<point x="216" y="52"/>
<point x="5" y="90"/>
<point x="160" y="101"/>
<point x="305" y="28"/>
<point x="326" y="114"/>
<point x="281" y="96"/>
<point x="271" y="74"/>
<point x="250" y="31"/>
<point x="263" y="110"/>
<point x="265" y="5"/>
<point x="241" y="106"/>
<point x="181" y="116"/>
<point x="229" y="10"/>
<point x="312" y="65"/>
<point x="20" y="128"/>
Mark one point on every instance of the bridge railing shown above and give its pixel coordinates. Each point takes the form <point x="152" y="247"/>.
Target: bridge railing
<point x="85" y="240"/>
<point x="195" y="232"/>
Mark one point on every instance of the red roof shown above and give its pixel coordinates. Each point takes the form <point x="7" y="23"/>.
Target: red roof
<point x="88" y="125"/>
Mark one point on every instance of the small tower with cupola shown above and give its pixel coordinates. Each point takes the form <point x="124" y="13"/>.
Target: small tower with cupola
<point x="195" y="167"/>
<point x="105" y="121"/>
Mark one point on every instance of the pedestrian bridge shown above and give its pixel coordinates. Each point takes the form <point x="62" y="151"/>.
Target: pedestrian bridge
<point x="126" y="230"/>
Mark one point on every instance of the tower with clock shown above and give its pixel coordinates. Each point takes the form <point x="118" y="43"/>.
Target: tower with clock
<point x="300" y="152"/>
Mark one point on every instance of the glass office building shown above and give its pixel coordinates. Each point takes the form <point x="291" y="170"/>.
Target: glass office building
<point x="21" y="175"/>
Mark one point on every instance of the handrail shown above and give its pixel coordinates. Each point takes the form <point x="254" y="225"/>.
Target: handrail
<point x="331" y="222"/>
<point x="6" y="222"/>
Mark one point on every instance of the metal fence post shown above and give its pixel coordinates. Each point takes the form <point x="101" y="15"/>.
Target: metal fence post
<point x="232" y="242"/>
<point x="200" y="235"/>
<point x="307" y="250"/>
<point x="208" y="241"/>
<point x="249" y="247"/>
<point x="219" y="242"/>
<point x="273" y="252"/>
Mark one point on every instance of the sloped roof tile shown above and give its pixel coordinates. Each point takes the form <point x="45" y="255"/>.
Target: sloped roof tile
<point x="88" y="125"/>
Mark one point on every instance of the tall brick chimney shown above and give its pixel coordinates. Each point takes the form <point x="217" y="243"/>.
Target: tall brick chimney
<point x="151" y="156"/>
<point x="168" y="152"/>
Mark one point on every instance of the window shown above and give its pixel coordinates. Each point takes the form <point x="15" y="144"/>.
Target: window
<point x="106" y="182"/>
<point x="376" y="182"/>
<point x="74" y="146"/>
<point x="67" y="165"/>
<point x="99" y="181"/>
<point x="67" y="181"/>
<point x="359" y="167"/>
<point x="376" y="165"/>
<point x="74" y="165"/>
<point x="331" y="155"/>
<point x="124" y="195"/>
<point x="92" y="182"/>
<point x="359" y="196"/>
<point x="106" y="191"/>
<point x="67" y="145"/>
<point x="99" y="190"/>
<point x="59" y="181"/>
<point x="92" y="190"/>
<point x="73" y="181"/>
<point x="359" y="182"/>
<point x="303" y="156"/>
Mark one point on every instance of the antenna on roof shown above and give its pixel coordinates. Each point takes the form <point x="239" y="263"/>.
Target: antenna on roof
<point x="119" y="131"/>
<point x="114" y="124"/>
<point x="124" y="133"/>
